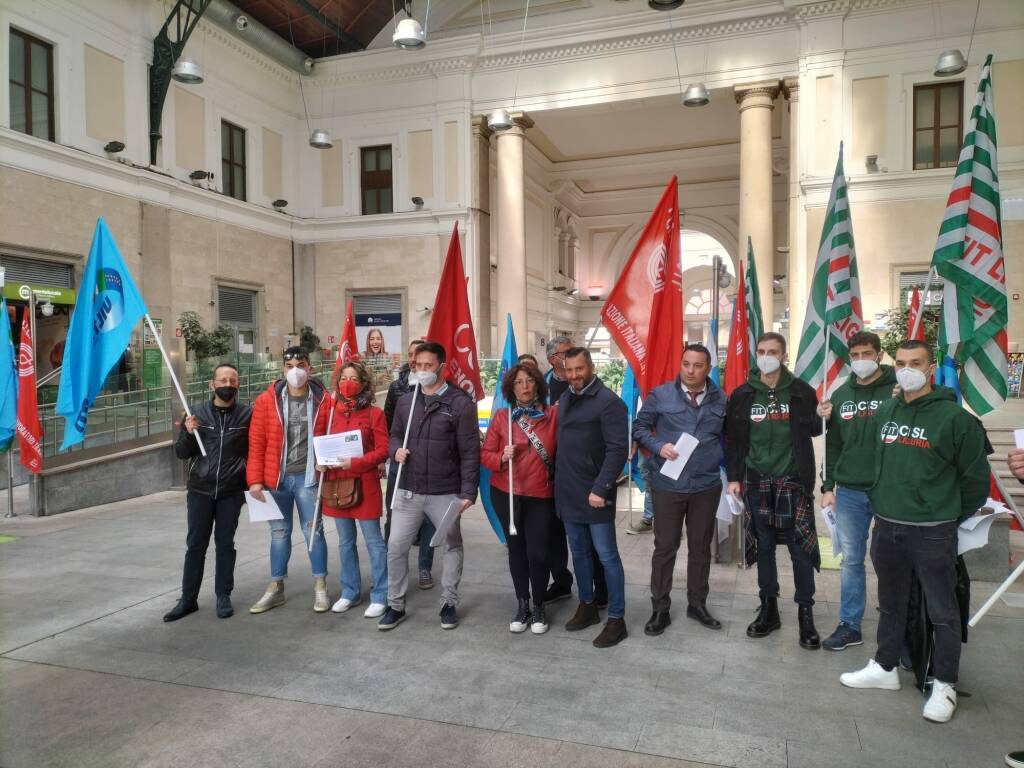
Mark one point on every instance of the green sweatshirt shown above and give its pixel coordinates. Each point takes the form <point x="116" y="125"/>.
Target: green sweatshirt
<point x="850" y="440"/>
<point x="930" y="462"/>
<point x="771" y="441"/>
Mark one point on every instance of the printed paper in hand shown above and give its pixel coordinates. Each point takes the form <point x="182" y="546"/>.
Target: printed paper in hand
<point x="973" y="532"/>
<point x="829" y="513"/>
<point x="450" y="516"/>
<point x="685" y="446"/>
<point x="331" y="449"/>
<point x="260" y="511"/>
<point x="1018" y="437"/>
<point x="734" y="504"/>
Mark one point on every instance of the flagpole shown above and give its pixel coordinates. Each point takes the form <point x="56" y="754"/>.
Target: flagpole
<point x="174" y="379"/>
<point x="924" y="303"/>
<point x="405" y="442"/>
<point x="320" y="482"/>
<point x="511" y="493"/>
<point x="996" y="595"/>
<point x="10" y="481"/>
<point x="629" y="467"/>
<point x="1008" y="499"/>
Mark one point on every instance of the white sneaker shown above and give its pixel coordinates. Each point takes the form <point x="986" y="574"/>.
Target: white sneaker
<point x="344" y="604"/>
<point x="872" y="676"/>
<point x="374" y="610"/>
<point x="941" y="704"/>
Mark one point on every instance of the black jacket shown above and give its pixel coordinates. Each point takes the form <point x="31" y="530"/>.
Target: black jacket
<point x="803" y="424"/>
<point x="397" y="388"/>
<point x="226" y="439"/>
<point x="593" y="442"/>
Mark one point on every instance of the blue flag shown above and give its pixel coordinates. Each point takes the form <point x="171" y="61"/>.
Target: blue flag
<point x="107" y="310"/>
<point x="631" y="396"/>
<point x="946" y="375"/>
<point x="713" y="349"/>
<point x="509" y="357"/>
<point x="8" y="381"/>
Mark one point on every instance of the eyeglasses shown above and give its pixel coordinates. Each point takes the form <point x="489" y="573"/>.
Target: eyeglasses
<point x="296" y="356"/>
<point x="773" y="401"/>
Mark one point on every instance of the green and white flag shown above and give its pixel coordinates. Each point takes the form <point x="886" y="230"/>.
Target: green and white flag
<point x="969" y="259"/>
<point x="833" y="309"/>
<point x="752" y="297"/>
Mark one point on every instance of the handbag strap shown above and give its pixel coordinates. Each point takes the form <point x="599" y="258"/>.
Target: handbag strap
<point x="536" y="443"/>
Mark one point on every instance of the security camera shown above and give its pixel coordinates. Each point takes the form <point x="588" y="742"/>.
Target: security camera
<point x="241" y="22"/>
<point x="417" y="201"/>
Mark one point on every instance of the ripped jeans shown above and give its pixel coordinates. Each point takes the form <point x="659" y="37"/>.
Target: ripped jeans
<point x="292" y="492"/>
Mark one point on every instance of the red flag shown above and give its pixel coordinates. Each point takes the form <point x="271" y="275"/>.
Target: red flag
<point x="737" y="359"/>
<point x="912" y="317"/>
<point x="30" y="431"/>
<point x="995" y="492"/>
<point x="348" y="348"/>
<point x="644" y="311"/>
<point x="451" y="325"/>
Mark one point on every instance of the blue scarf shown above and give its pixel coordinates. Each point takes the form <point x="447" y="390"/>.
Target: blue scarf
<point x="531" y="411"/>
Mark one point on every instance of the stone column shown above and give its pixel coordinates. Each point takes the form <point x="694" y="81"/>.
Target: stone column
<point x="479" y="229"/>
<point x="573" y="263"/>
<point x="756" y="102"/>
<point x="796" y="289"/>
<point x="511" y="204"/>
<point x="562" y="267"/>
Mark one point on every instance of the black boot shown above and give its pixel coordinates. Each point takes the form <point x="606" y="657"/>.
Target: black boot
<point x="181" y="610"/>
<point x="808" y="634"/>
<point x="657" y="623"/>
<point x="586" y="616"/>
<point x="767" y="620"/>
<point x="224" y="609"/>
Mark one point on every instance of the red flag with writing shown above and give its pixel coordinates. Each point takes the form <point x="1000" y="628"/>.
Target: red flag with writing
<point x="737" y="359"/>
<point x="348" y="348"/>
<point x="451" y="325"/>
<point x="644" y="311"/>
<point x="30" y="431"/>
<point x="913" y="318"/>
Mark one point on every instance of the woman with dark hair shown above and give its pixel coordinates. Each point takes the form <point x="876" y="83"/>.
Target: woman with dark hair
<point x="532" y="453"/>
<point x="359" y="501"/>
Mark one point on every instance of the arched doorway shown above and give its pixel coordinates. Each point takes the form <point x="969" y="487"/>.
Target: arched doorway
<point x="698" y="256"/>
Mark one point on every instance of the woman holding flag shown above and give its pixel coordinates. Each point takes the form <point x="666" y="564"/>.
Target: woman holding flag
<point x="531" y="449"/>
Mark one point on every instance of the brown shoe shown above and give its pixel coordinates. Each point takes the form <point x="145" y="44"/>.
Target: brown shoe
<point x="586" y="615"/>
<point x="614" y="632"/>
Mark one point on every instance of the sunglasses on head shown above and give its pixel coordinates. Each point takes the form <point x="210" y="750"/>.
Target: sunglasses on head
<point x="296" y="356"/>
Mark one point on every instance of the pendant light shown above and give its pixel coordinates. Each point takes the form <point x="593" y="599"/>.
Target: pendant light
<point x="409" y="35"/>
<point x="501" y="119"/>
<point x="953" y="61"/>
<point x="188" y="72"/>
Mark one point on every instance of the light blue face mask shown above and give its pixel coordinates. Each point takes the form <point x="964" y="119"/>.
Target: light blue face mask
<point x="423" y="378"/>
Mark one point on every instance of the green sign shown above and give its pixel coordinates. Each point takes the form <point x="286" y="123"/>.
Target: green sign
<point x="22" y="291"/>
<point x="152" y="361"/>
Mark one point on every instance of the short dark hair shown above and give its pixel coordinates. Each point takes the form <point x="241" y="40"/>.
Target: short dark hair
<point x="417" y="342"/>
<point x="526" y="356"/>
<point x="773" y="336"/>
<point x="577" y="351"/>
<point x="295" y="353"/>
<point x="508" y="390"/>
<point x="365" y="378"/>
<point x="433" y="348"/>
<point x="918" y="344"/>
<point x="698" y="348"/>
<point x="223" y="365"/>
<point x="865" y="338"/>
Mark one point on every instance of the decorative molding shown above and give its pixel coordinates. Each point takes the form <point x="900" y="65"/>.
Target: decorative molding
<point x="803" y="10"/>
<point x="249" y="53"/>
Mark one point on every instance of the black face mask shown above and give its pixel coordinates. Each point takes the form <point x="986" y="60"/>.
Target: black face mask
<point x="226" y="394"/>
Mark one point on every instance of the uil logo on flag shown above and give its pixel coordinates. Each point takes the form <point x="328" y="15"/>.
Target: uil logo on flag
<point x="109" y="301"/>
<point x="890" y="432"/>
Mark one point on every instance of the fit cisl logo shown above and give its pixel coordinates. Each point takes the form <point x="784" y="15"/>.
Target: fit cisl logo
<point x="904" y="434"/>
<point x="759" y="413"/>
<point x="850" y="409"/>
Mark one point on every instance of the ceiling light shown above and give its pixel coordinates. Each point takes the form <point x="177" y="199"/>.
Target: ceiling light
<point x="499" y="120"/>
<point x="199" y="175"/>
<point x="113" y="147"/>
<point x="187" y="71"/>
<point x="320" y="139"/>
<point x="279" y="203"/>
<point x="664" y="5"/>
<point x="695" y="95"/>
<point x="950" y="62"/>
<point x="409" y="35"/>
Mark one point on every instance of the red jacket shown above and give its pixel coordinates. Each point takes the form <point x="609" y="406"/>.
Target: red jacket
<point x="371" y="422"/>
<point x="266" y="433"/>
<point x="529" y="475"/>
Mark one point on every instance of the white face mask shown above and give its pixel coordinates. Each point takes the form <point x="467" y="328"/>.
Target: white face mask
<point x="863" y="368"/>
<point x="296" y="377"/>
<point x="425" y="378"/>
<point x="768" y="363"/>
<point x="911" y="379"/>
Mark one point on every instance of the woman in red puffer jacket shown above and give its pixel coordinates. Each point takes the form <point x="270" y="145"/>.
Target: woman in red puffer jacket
<point x="351" y="410"/>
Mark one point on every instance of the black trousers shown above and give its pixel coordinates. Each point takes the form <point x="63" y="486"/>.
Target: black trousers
<point x="558" y="559"/>
<point x="671" y="511"/>
<point x="767" y="569"/>
<point x="528" y="549"/>
<point x="207" y="515"/>
<point x="898" y="551"/>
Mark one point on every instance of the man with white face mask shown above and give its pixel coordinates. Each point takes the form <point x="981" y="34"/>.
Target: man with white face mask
<point x="769" y="459"/>
<point x="281" y="460"/>
<point x="850" y="471"/>
<point x="931" y="471"/>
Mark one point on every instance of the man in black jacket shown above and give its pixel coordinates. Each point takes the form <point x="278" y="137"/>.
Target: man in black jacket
<point x="216" y="485"/>
<point x="769" y="423"/>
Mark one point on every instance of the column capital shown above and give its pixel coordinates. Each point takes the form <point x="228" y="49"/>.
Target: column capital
<point x="760" y="94"/>
<point x="479" y="126"/>
<point x="791" y="88"/>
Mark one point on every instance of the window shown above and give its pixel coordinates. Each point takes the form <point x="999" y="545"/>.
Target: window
<point x="938" y="124"/>
<point x="232" y="159"/>
<point x="911" y="280"/>
<point x="375" y="179"/>
<point x="31" y="85"/>
<point x="236" y="308"/>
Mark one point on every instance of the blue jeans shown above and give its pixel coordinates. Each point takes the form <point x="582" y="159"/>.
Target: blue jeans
<point x="351" y="580"/>
<point x="853" y="519"/>
<point x="292" y="492"/>
<point x="603" y="536"/>
<point x="645" y="473"/>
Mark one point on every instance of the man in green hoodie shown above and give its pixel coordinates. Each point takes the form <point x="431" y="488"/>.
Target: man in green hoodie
<point x="850" y="471"/>
<point x="931" y="471"/>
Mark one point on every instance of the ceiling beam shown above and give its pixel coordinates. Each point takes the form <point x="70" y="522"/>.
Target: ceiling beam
<point x="348" y="42"/>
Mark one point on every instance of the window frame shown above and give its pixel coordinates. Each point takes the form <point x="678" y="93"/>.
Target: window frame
<point x="228" y="179"/>
<point x="937" y="127"/>
<point x="364" y="174"/>
<point x="28" y="40"/>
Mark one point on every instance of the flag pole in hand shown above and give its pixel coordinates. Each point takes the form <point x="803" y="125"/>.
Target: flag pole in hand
<point x="174" y="379"/>
<point x="405" y="441"/>
<point x="320" y="481"/>
<point x="511" y="494"/>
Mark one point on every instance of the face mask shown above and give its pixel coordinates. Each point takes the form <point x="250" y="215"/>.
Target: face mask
<point x="911" y="379"/>
<point x="863" y="368"/>
<point x="768" y="363"/>
<point x="425" y="378"/>
<point x="349" y="388"/>
<point x="226" y="394"/>
<point x="296" y="377"/>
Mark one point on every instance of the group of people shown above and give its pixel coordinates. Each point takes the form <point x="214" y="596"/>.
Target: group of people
<point x="900" y="455"/>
